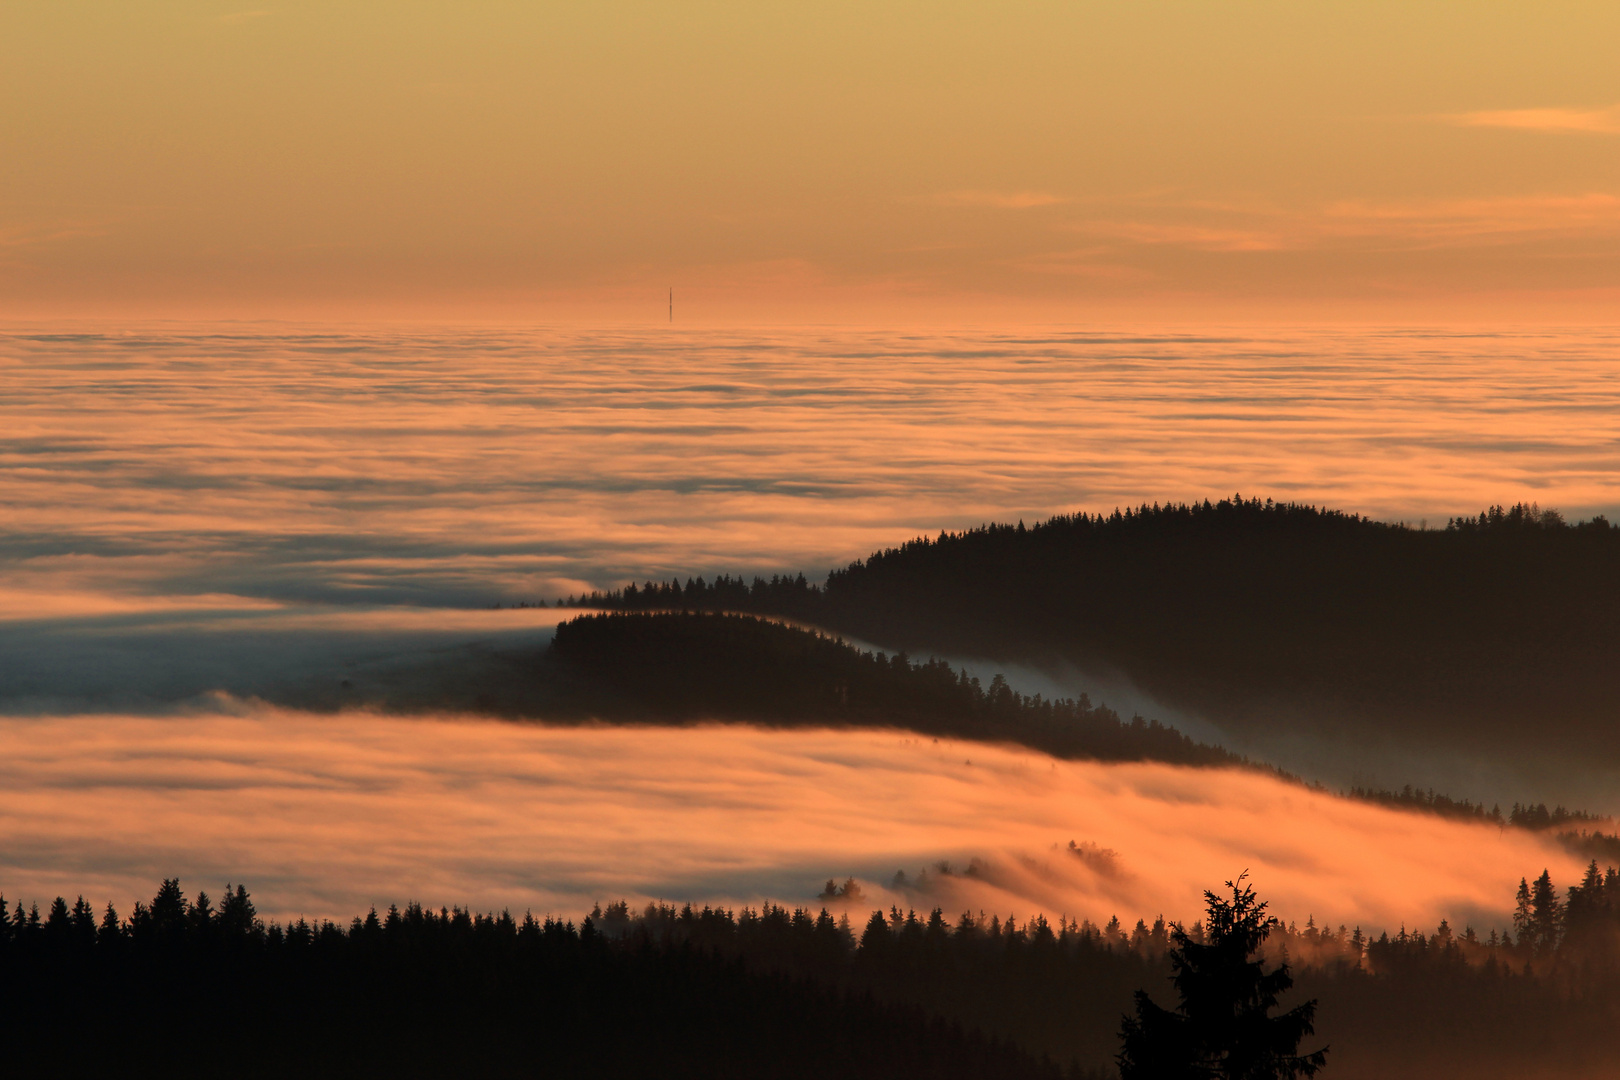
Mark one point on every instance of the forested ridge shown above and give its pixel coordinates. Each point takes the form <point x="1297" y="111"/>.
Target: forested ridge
<point x="706" y="666"/>
<point x="182" y="984"/>
<point x="1248" y="610"/>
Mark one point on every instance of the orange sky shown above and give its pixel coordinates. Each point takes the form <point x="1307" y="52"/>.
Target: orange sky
<point x="868" y="161"/>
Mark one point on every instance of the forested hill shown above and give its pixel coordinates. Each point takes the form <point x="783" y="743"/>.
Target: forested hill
<point x="706" y="666"/>
<point x="1247" y="610"/>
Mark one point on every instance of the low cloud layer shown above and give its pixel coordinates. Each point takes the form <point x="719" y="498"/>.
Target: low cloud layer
<point x="327" y="815"/>
<point x="461" y="468"/>
<point x="159" y="660"/>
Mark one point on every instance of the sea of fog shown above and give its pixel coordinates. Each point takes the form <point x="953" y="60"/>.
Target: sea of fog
<point x="256" y="463"/>
<point x="262" y="511"/>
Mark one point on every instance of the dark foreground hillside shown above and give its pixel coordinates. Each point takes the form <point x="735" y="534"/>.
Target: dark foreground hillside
<point x="184" y="988"/>
<point x="1250" y="611"/>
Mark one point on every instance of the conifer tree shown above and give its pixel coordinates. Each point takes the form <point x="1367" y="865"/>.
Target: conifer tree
<point x="59" y="923"/>
<point x="200" y="916"/>
<point x="1521" y="913"/>
<point x="84" y="923"/>
<point x="876" y="935"/>
<point x="1546" y="914"/>
<point x="168" y="911"/>
<point x="237" y="919"/>
<point x="111" y="930"/>
<point x="1223" y="1028"/>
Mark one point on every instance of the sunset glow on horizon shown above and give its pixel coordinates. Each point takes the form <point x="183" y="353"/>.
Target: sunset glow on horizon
<point x="926" y="164"/>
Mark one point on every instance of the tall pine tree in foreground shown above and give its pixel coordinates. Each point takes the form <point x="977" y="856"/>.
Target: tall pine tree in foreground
<point x="1223" y="1029"/>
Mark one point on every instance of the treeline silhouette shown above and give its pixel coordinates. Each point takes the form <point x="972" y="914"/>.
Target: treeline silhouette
<point x="185" y="988"/>
<point x="1410" y="798"/>
<point x="1576" y="830"/>
<point x="1248" y="610"/>
<point x="783" y="594"/>
<point x="187" y="985"/>
<point x="697" y="665"/>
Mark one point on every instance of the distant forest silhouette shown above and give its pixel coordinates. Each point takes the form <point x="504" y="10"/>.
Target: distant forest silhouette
<point x="190" y="985"/>
<point x="1247" y="611"/>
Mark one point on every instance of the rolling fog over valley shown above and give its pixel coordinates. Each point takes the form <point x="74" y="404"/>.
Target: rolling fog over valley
<point x="276" y="511"/>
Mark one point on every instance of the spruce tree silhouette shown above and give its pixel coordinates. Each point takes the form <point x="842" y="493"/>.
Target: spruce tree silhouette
<point x="1222" y="1028"/>
<point x="168" y="911"/>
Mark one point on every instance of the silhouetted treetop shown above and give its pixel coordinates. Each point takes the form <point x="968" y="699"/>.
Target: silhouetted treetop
<point x="1222" y="1027"/>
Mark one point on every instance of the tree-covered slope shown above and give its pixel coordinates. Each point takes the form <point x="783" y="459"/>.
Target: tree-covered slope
<point x="1251" y="611"/>
<point x="710" y="666"/>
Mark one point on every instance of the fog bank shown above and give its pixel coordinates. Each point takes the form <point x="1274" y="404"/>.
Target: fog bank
<point x="326" y="815"/>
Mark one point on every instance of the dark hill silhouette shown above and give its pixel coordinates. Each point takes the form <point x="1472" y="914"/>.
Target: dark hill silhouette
<point x="682" y="667"/>
<point x="1253" y="612"/>
<point x="707" y="666"/>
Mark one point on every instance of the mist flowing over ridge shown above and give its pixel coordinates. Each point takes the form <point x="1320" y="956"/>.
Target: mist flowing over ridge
<point x="1273" y="620"/>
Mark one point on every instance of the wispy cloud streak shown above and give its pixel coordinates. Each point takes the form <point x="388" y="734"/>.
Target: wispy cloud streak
<point x="1590" y="121"/>
<point x="999" y="200"/>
